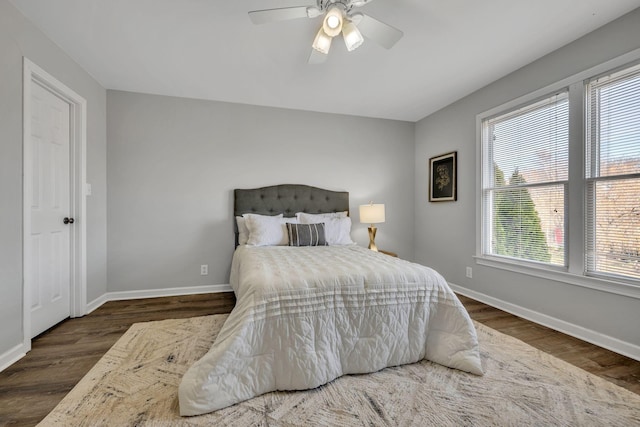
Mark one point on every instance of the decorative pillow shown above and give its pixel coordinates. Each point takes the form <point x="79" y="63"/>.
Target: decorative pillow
<point x="317" y="218"/>
<point x="306" y="234"/>
<point x="266" y="230"/>
<point x="337" y="230"/>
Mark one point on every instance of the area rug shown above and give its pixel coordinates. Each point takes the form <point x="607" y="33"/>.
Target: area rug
<point x="136" y="383"/>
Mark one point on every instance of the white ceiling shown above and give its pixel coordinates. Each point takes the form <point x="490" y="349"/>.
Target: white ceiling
<point x="209" y="49"/>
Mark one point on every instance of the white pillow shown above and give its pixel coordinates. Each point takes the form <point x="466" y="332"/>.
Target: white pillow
<point x="317" y="218"/>
<point x="337" y="231"/>
<point x="243" y="231"/>
<point x="267" y="230"/>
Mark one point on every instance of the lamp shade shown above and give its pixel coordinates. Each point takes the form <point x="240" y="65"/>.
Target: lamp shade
<point x="322" y="43"/>
<point x="372" y="214"/>
<point x="352" y="37"/>
<point x="332" y="23"/>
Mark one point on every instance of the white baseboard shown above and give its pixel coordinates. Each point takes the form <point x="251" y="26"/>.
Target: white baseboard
<point x="155" y="293"/>
<point x="12" y="356"/>
<point x="621" y="347"/>
<point x="96" y="303"/>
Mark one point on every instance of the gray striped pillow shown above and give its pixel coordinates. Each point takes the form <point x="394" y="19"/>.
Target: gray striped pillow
<point x="306" y="234"/>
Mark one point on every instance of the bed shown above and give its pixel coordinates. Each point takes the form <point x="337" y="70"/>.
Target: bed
<point x="307" y="315"/>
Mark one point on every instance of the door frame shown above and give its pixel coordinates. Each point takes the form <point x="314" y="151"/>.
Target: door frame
<point x="33" y="74"/>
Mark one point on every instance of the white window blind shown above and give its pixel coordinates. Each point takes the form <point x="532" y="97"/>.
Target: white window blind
<point x="613" y="174"/>
<point x="525" y="178"/>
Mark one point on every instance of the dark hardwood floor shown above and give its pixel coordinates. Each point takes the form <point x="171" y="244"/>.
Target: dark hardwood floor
<point x="611" y="366"/>
<point x="61" y="356"/>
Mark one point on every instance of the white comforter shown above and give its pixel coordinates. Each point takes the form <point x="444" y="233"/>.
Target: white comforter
<point x="305" y="316"/>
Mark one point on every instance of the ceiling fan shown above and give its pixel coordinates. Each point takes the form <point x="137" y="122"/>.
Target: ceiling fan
<point x="339" y="17"/>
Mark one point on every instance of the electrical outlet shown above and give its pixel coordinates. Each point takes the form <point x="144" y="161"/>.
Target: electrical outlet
<point x="469" y="272"/>
<point x="204" y="269"/>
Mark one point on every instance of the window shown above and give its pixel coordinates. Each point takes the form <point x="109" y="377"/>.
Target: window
<point x="613" y="174"/>
<point x="560" y="181"/>
<point x="525" y="178"/>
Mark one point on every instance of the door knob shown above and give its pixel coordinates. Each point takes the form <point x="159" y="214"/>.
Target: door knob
<point x="68" y="220"/>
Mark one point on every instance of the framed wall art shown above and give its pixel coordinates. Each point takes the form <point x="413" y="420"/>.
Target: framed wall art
<point x="442" y="178"/>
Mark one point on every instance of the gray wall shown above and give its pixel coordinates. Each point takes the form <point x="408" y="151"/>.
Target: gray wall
<point x="173" y="163"/>
<point x="446" y="232"/>
<point x="19" y="38"/>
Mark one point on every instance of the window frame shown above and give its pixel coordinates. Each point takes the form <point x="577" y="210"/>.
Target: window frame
<point x="575" y="272"/>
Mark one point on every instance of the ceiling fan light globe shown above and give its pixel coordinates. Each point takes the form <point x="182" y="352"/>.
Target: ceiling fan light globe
<point x="332" y="23"/>
<point x="352" y="37"/>
<point x="322" y="42"/>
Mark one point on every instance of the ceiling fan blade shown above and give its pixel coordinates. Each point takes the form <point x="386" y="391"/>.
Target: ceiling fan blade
<point x="383" y="34"/>
<point x="274" y="15"/>
<point x="317" y="57"/>
<point x="359" y="3"/>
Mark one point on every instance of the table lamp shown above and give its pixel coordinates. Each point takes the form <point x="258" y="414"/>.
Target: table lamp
<point x="372" y="214"/>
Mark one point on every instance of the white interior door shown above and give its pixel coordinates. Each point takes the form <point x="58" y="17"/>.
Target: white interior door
<point x="50" y="256"/>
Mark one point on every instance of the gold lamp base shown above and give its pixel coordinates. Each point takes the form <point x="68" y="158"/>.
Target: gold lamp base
<point x="372" y="238"/>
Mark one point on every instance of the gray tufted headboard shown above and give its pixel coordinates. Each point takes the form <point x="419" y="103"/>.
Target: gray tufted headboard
<point x="287" y="199"/>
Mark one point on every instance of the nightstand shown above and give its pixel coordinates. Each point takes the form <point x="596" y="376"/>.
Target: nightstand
<point x="388" y="253"/>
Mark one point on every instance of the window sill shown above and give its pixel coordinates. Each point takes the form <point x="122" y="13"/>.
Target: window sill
<point x="560" y="275"/>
